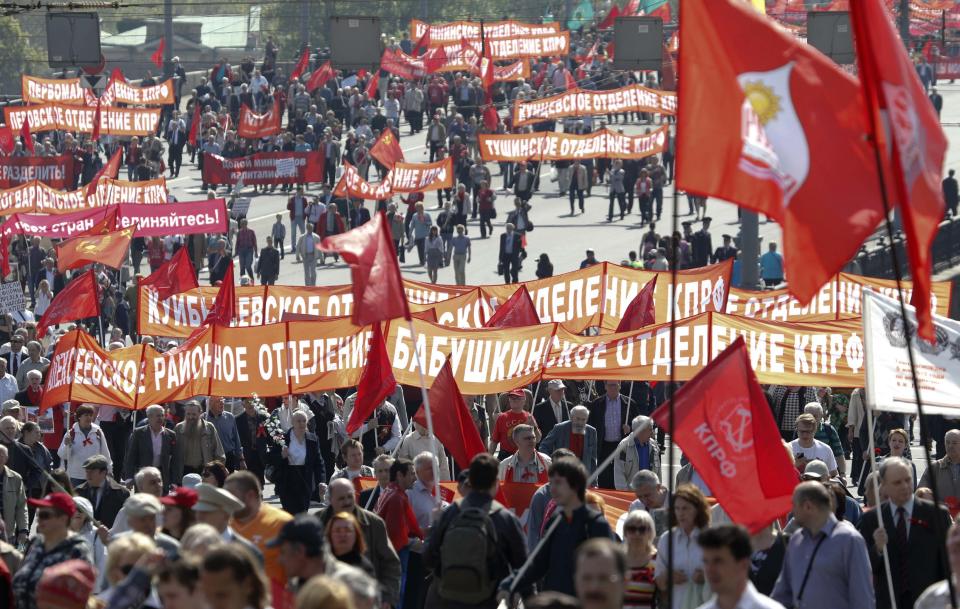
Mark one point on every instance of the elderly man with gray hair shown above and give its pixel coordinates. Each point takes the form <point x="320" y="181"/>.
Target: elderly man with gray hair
<point x="575" y="435"/>
<point x="34" y="361"/>
<point x="527" y="464"/>
<point x="637" y="452"/>
<point x="827" y="434"/>
<point x="151" y="445"/>
<point x="652" y="497"/>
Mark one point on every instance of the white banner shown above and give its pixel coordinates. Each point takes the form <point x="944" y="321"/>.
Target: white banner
<point x="11" y="297"/>
<point x="889" y="383"/>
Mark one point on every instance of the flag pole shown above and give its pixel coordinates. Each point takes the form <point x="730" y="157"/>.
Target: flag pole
<point x="393" y="455"/>
<point x="876" y="490"/>
<point x="426" y="403"/>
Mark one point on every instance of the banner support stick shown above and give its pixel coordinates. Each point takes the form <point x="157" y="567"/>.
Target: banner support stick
<point x="876" y="490"/>
<point x="426" y="404"/>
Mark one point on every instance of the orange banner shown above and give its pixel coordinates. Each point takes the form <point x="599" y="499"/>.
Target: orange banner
<point x="36" y="90"/>
<point x="633" y="98"/>
<point x="839" y="298"/>
<point x="113" y="120"/>
<point x="255" y="126"/>
<point x="556" y="146"/>
<point x="442" y="33"/>
<point x="303" y="356"/>
<point x="68" y="91"/>
<point x="403" y="178"/>
<point x="508" y="73"/>
<point x="36" y="197"/>
<point x="520" y="47"/>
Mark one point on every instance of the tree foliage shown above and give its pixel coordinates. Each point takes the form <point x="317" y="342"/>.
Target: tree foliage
<point x="17" y="56"/>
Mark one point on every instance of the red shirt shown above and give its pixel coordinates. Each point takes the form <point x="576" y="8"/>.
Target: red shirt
<point x="576" y="444"/>
<point x="503" y="428"/>
<point x="394" y="508"/>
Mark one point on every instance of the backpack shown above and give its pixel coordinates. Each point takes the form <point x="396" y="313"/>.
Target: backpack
<point x="467" y="576"/>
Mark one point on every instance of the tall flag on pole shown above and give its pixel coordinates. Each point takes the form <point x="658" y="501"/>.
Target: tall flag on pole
<point x="157" y="57"/>
<point x="302" y="64"/>
<point x="641" y="311"/>
<point x="387" y="149"/>
<point x="784" y="130"/>
<point x="26" y="136"/>
<point x="906" y="123"/>
<point x="374" y="272"/>
<point x="96" y="122"/>
<point x="195" y="123"/>
<point x="376" y="382"/>
<point x="452" y="423"/>
<point x="80" y="299"/>
<point x="173" y="276"/>
<point x="109" y="249"/>
<point x="225" y="304"/>
<point x="423" y="42"/>
<point x="109" y="170"/>
<point x="725" y="427"/>
<point x="516" y="312"/>
<point x="320" y="77"/>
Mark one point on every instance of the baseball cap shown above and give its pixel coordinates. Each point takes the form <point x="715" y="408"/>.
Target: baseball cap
<point x="182" y="496"/>
<point x="66" y="585"/>
<point x="517" y="393"/>
<point x="304" y="529"/>
<point x="142" y="504"/>
<point x="815" y="470"/>
<point x="61" y="502"/>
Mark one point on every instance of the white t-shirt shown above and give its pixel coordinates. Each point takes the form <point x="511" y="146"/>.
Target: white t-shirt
<point x="819" y="450"/>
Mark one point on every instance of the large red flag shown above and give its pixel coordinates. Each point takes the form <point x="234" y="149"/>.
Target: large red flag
<point x="452" y="423"/>
<point x="610" y="19"/>
<point x="768" y="122"/>
<point x="423" y="42"/>
<point x="157" y="57"/>
<point x="373" y="85"/>
<point x="434" y="59"/>
<point x="516" y="312"/>
<point x="725" y="427"/>
<point x="376" y="382"/>
<point x="224" y="305"/>
<point x="109" y="170"/>
<point x="195" y="124"/>
<point x="7" y="142"/>
<point x="173" y="276"/>
<point x="387" y="149"/>
<point x="641" y="310"/>
<point x="26" y="136"/>
<point x="109" y="249"/>
<point x="78" y="300"/>
<point x="375" y="275"/>
<point x="320" y="77"/>
<point x="918" y="145"/>
<point x="302" y="64"/>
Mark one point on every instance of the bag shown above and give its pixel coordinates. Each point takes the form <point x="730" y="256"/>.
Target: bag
<point x="493" y="212"/>
<point x="466" y="576"/>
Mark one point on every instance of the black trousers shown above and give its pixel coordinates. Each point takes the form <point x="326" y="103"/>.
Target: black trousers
<point x="511" y="270"/>
<point x="605" y="480"/>
<point x="578" y="194"/>
<point x="295" y="490"/>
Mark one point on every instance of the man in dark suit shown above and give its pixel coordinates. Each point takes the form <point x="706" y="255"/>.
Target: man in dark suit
<point x="143" y="443"/>
<point x="914" y="533"/>
<point x="613" y="428"/>
<point x="17" y="354"/>
<point x="552" y="410"/>
<point x="268" y="264"/>
<point x="253" y="437"/>
<point x="105" y="495"/>
<point x="221" y="261"/>
<point x="381" y="469"/>
<point x="511" y="253"/>
<point x="359" y="215"/>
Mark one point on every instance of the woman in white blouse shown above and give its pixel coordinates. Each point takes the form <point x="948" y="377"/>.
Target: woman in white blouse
<point x="691" y="514"/>
<point x="301" y="466"/>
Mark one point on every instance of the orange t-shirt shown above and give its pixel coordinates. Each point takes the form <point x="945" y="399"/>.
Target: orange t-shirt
<point x="259" y="530"/>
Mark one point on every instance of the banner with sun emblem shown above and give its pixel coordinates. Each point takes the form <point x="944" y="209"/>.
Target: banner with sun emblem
<point x="109" y="249"/>
<point x="889" y="383"/>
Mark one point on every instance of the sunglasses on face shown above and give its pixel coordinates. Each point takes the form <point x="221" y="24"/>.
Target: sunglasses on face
<point x="635" y="529"/>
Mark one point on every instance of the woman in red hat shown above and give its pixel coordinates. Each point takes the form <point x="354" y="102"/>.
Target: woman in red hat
<point x="55" y="543"/>
<point x="178" y="514"/>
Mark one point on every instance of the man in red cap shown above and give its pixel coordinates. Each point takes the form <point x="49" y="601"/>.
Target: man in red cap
<point x="503" y="428"/>
<point x="55" y="544"/>
<point x="67" y="585"/>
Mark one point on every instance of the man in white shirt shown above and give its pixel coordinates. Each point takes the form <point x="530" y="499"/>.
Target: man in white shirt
<point x="419" y="440"/>
<point x="805" y="448"/>
<point x="422" y="500"/>
<point x="8" y="384"/>
<point x="726" y="565"/>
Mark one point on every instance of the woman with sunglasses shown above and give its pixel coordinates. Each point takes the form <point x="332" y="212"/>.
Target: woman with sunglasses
<point x="638" y="533"/>
<point x="55" y="543"/>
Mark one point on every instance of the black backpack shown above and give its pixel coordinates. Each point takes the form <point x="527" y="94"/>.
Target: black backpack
<point x="468" y="555"/>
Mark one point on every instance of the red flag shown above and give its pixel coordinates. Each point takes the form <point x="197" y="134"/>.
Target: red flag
<point x="96" y="123"/>
<point x="571" y="84"/>
<point x="632" y="8"/>
<point x="452" y="423"/>
<point x="610" y="19"/>
<point x="7" y="142"/>
<point x="109" y="170"/>
<point x="423" y="43"/>
<point x="109" y="249"/>
<point x="610" y="50"/>
<point x="26" y="136"/>
<point x="469" y="53"/>
<point x="302" y="64"/>
<point x="225" y="304"/>
<point x="195" y="124"/>
<point x="640" y="312"/>
<point x="785" y="130"/>
<point x="434" y="59"/>
<point x="361" y="73"/>
<point x="918" y="146"/>
<point x="78" y="300"/>
<point x="157" y="57"/>
<point x="320" y="77"/>
<point x="375" y="275"/>
<point x="387" y="149"/>
<point x="173" y="276"/>
<point x="372" y="86"/>
<point x="376" y="382"/>
<point x="517" y="311"/>
<point x="491" y="118"/>
<point x="108" y="223"/>
<point x="725" y="427"/>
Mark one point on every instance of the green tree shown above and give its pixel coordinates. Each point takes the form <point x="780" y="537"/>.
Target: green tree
<point x="17" y="56"/>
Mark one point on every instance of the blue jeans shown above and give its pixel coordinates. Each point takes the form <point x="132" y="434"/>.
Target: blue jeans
<point x="404" y="555"/>
<point x="246" y="262"/>
<point x="296" y="223"/>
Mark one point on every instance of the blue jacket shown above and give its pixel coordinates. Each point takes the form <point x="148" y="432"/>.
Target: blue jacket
<point x="559" y="437"/>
